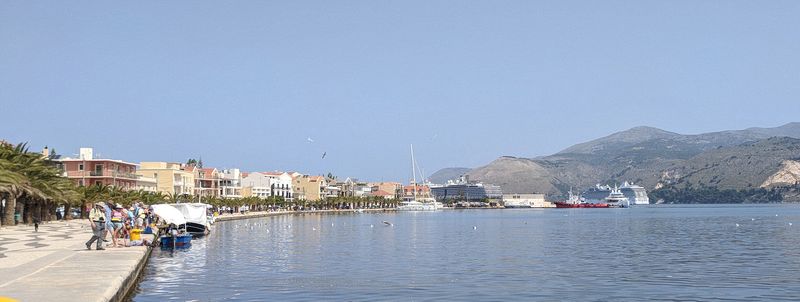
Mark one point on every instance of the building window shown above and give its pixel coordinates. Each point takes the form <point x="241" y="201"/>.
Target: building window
<point x="80" y="167"/>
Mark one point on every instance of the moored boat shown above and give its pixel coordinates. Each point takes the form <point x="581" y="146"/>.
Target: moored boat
<point x="176" y="241"/>
<point x="575" y="201"/>
<point x="617" y="199"/>
<point x="417" y="203"/>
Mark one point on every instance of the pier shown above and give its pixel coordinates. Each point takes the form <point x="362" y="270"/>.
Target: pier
<point x="54" y="264"/>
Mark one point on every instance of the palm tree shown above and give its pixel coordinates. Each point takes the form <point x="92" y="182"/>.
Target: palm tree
<point x="32" y="184"/>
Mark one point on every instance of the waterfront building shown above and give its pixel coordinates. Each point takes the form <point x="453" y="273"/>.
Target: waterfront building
<point x="147" y="184"/>
<point x="171" y="178"/>
<point x="88" y="169"/>
<point x="384" y="194"/>
<point x="257" y="184"/>
<point x="394" y="188"/>
<point x="230" y="183"/>
<point x="351" y="187"/>
<point x="519" y="200"/>
<point x="466" y="192"/>
<point x="281" y="184"/>
<point x="207" y="182"/>
<point x="309" y="187"/>
<point x="422" y="191"/>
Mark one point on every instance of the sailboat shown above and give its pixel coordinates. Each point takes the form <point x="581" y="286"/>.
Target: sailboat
<point x="416" y="204"/>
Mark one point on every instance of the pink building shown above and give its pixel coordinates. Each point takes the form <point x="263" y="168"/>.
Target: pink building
<point x="87" y="170"/>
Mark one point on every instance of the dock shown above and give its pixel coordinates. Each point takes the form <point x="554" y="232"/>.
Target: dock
<point x="54" y="264"/>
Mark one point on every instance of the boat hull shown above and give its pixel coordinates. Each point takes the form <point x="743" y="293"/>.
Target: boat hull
<point x="581" y="205"/>
<point x="180" y="241"/>
<point x="195" y="229"/>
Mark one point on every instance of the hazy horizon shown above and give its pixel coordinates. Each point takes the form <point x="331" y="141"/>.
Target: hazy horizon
<point x="246" y="85"/>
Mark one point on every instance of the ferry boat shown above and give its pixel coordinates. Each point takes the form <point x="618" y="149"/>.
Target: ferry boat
<point x="636" y="195"/>
<point x="617" y="199"/>
<point x="576" y="201"/>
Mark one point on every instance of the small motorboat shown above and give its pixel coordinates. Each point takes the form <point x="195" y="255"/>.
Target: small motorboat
<point x="175" y="241"/>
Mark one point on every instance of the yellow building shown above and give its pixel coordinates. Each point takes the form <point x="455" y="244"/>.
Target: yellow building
<point x="170" y="177"/>
<point x="309" y="187"/>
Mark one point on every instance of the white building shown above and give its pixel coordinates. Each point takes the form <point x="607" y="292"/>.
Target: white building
<point x="281" y="184"/>
<point x="526" y="201"/>
<point x="230" y="183"/>
<point x="256" y="184"/>
<point x="147" y="184"/>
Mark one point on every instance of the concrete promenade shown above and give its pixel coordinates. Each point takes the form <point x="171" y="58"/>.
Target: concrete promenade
<point x="54" y="265"/>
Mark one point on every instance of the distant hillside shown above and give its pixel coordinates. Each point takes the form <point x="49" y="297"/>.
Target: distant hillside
<point x="443" y="175"/>
<point x="654" y="158"/>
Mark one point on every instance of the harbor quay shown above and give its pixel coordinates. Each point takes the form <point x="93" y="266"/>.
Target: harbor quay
<point x="53" y="264"/>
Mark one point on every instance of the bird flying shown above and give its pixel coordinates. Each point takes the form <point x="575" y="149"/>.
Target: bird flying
<point x="309" y="140"/>
<point x="323" y="154"/>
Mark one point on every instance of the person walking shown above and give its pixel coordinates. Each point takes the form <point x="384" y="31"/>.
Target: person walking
<point x="97" y="218"/>
<point x="109" y="227"/>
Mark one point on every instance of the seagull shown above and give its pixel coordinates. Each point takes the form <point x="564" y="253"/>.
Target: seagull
<point x="309" y="140"/>
<point x="790" y="224"/>
<point x="387" y="223"/>
<point x="372" y="225"/>
<point x="323" y="154"/>
<point x="752" y="219"/>
<point x="313" y="228"/>
<point x="474" y="227"/>
<point x="737" y="225"/>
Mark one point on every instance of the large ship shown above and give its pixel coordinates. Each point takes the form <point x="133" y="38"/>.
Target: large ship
<point x="576" y="201"/>
<point x="636" y="195"/>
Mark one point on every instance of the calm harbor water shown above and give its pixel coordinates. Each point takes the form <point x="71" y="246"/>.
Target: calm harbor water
<point x="664" y="253"/>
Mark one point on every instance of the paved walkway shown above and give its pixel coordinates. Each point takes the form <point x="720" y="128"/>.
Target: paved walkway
<point x="54" y="265"/>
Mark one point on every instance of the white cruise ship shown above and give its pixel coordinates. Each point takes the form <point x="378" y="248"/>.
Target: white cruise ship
<point x="636" y="195"/>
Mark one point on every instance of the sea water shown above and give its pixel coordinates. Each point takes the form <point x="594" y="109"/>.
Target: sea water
<point x="657" y="252"/>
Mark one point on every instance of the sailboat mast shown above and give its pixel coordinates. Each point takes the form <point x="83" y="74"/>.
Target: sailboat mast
<point x="414" y="172"/>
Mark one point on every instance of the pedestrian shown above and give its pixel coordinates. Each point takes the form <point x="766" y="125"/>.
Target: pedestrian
<point x="118" y="220"/>
<point x="109" y="227"/>
<point x="97" y="220"/>
<point x="36" y="224"/>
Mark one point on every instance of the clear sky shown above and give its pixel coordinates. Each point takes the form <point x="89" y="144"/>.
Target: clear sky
<point x="245" y="83"/>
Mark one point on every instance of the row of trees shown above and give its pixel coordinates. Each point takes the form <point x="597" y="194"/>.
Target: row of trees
<point x="705" y="194"/>
<point x="33" y="187"/>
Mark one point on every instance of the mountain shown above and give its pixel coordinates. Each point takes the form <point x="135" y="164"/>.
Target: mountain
<point x="443" y="175"/>
<point x="655" y="158"/>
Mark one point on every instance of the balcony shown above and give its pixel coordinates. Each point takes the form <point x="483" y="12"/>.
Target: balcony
<point x="101" y="174"/>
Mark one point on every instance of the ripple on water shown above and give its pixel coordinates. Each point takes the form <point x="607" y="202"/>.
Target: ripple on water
<point x="643" y="253"/>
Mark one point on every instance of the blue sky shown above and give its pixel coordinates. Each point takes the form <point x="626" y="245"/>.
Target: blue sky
<point x="245" y="83"/>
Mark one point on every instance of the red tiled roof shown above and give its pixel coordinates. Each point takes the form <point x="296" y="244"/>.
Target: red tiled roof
<point x="381" y="193"/>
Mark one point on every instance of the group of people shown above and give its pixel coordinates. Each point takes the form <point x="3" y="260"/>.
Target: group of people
<point x="120" y="222"/>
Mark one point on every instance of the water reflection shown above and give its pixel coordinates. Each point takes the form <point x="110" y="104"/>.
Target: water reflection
<point x="643" y="253"/>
